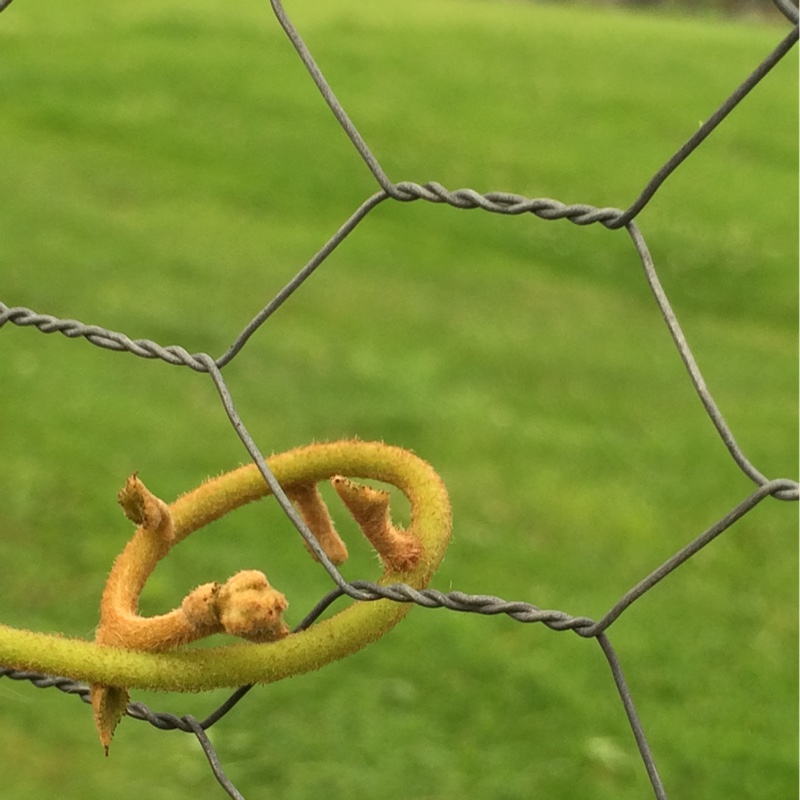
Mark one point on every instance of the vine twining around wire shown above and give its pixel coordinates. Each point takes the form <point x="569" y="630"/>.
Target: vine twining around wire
<point x="134" y="651"/>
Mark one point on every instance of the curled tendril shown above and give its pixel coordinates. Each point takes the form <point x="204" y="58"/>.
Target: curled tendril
<point x="132" y="651"/>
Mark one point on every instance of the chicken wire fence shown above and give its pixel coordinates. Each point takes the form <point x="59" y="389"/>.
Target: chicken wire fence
<point x="494" y="202"/>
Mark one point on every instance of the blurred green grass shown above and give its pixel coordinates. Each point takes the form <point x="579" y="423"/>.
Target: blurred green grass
<point x="168" y="169"/>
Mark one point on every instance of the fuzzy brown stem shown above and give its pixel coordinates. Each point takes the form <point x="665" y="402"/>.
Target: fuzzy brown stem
<point x="315" y="513"/>
<point x="399" y="551"/>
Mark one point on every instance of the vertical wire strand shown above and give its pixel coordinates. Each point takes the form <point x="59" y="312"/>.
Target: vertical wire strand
<point x="633" y="717"/>
<point x="213" y="759"/>
<point x="706" y="129"/>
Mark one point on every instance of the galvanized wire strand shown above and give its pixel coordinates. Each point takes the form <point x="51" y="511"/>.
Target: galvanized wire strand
<point x="471" y="199"/>
<point x="301" y="277"/>
<point x="228" y="705"/>
<point x="714" y="414"/>
<point x="506" y="203"/>
<point x="272" y="481"/>
<point x="330" y="98"/>
<point x="497" y="202"/>
<point x="521" y="611"/>
<point x="102" y="337"/>
<point x="685" y="553"/>
<point x="633" y="717"/>
<point x="788" y="10"/>
<point x="500" y="202"/>
<point x="213" y="760"/>
<point x="162" y="720"/>
<point x="66" y="685"/>
<point x="707" y="128"/>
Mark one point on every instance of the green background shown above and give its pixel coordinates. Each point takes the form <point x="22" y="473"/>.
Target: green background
<point x="166" y="168"/>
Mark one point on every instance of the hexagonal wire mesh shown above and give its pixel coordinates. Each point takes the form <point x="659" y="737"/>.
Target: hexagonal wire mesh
<point x="494" y="202"/>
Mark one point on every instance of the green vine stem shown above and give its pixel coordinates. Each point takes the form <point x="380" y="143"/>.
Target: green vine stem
<point x="190" y="669"/>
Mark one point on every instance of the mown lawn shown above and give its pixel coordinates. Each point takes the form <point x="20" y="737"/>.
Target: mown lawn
<point x="167" y="168"/>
